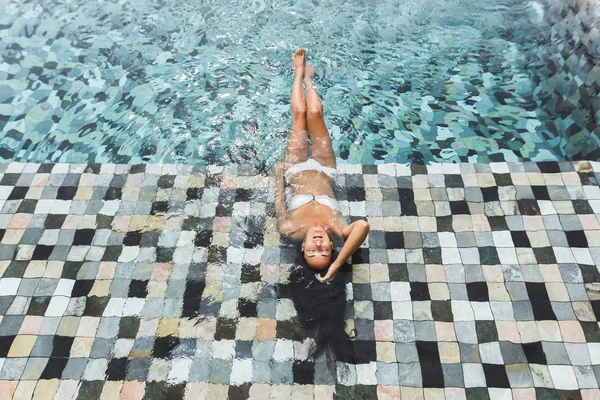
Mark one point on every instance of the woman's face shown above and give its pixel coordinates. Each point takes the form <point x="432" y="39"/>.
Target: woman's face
<point x="317" y="248"/>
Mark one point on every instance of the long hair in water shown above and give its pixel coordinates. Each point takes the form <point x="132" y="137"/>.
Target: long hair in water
<point x="321" y="308"/>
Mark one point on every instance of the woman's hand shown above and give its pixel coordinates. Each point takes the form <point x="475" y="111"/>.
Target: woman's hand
<point x="333" y="269"/>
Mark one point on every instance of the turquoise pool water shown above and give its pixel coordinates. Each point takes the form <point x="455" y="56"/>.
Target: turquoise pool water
<point x="208" y="82"/>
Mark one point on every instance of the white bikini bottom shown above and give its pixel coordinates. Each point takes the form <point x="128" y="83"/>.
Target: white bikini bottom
<point x="293" y="202"/>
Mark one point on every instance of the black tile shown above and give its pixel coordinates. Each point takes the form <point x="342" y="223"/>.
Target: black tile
<point x="241" y="392"/>
<point x="488" y="256"/>
<point x="520" y="239"/>
<point x="224" y="210"/>
<point x="582" y="207"/>
<point x="495" y="376"/>
<point x="216" y="254"/>
<point x="194" y="193"/>
<point x="149" y="239"/>
<point x="453" y="181"/>
<point x="428" y="352"/>
<point x="113" y="193"/>
<point x="203" y="238"/>
<point x="419" y="291"/>
<point x="54" y="221"/>
<point x="54" y="368"/>
<point x="18" y="193"/>
<point x="287" y="330"/>
<point x="166" y="181"/>
<point x="83" y="237"/>
<point x="71" y="269"/>
<point x="82" y="287"/>
<point x="548" y="167"/>
<point x="243" y="349"/>
<point x="159" y="207"/>
<point x="546" y="394"/>
<point x="534" y="353"/>
<point x="528" y="207"/>
<point x="164" y="391"/>
<point x="95" y="305"/>
<point x="540" y="192"/>
<point x="441" y="310"/>
<point x="591" y="331"/>
<point x="569" y="395"/>
<point x="486" y="331"/>
<point x="66" y="192"/>
<point x="42" y="252"/>
<point x="304" y="372"/>
<point x="192" y="298"/>
<point x="459" y="208"/>
<point x="16" y="269"/>
<point x="478" y="291"/>
<point x="5" y="343"/>
<point x="247" y="308"/>
<point x="226" y="329"/>
<point x="444" y="224"/>
<point x="10" y="179"/>
<point x="498" y="223"/>
<point x="250" y="273"/>
<point x="117" y="368"/>
<point x="138" y="288"/>
<point x="503" y="179"/>
<point x="362" y="292"/>
<point x="399" y="273"/>
<point x="164" y="254"/>
<point x="128" y="327"/>
<point x="490" y="193"/>
<point x="383" y="310"/>
<point x="61" y="346"/>
<point x="537" y="291"/>
<point x="542" y="310"/>
<point x="112" y="253"/>
<point x="544" y="255"/>
<point x="27" y="206"/>
<point x="243" y="195"/>
<point x="407" y="202"/>
<point x="356" y="194"/>
<point x="588" y="179"/>
<point x="432" y="255"/>
<point x="163" y="346"/>
<point x="576" y="238"/>
<point x="394" y="240"/>
<point x="365" y="351"/>
<point x="2" y="233"/>
<point x="477" y="394"/>
<point x="432" y="374"/>
<point x="253" y="240"/>
<point x="38" y="305"/>
<point x="133" y="238"/>
<point x="361" y="256"/>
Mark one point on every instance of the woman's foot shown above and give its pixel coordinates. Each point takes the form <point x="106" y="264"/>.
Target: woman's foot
<point x="298" y="60"/>
<point x="309" y="72"/>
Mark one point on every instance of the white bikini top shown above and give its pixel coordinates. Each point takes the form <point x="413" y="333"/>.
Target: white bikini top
<point x="293" y="202"/>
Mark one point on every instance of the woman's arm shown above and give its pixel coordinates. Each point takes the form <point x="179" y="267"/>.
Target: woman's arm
<point x="280" y="207"/>
<point x="355" y="234"/>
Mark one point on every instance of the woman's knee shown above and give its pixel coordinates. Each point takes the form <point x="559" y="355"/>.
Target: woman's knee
<point x="315" y="112"/>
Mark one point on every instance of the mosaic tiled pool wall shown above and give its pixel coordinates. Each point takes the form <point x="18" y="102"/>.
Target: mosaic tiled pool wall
<point x="566" y="74"/>
<point x="478" y="281"/>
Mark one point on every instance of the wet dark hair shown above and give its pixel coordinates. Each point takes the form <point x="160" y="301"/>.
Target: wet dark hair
<point x="321" y="309"/>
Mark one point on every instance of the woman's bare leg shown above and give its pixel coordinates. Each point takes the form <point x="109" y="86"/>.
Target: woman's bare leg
<point x="320" y="141"/>
<point x="297" y="144"/>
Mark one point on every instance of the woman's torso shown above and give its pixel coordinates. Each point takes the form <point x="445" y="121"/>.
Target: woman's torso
<point x="315" y="183"/>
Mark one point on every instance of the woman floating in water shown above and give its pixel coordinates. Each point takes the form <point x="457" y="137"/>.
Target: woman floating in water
<point x="311" y="213"/>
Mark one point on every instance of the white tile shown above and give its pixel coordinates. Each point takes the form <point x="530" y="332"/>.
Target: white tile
<point x="450" y="256"/>
<point x="490" y="353"/>
<point x="57" y="307"/>
<point x="114" y="308"/>
<point x="365" y="374"/>
<point x="64" y="287"/>
<point x="180" y="370"/>
<point x="284" y="350"/>
<point x="473" y="375"/>
<point x="462" y="311"/>
<point x="400" y="291"/>
<point x="482" y="310"/>
<point x="9" y="286"/>
<point x="95" y="369"/>
<point x="563" y="377"/>
<point x="402" y="310"/>
<point x="223" y="349"/>
<point x="241" y="371"/>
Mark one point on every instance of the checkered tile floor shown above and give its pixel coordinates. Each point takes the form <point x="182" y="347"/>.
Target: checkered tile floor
<point x="169" y="281"/>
